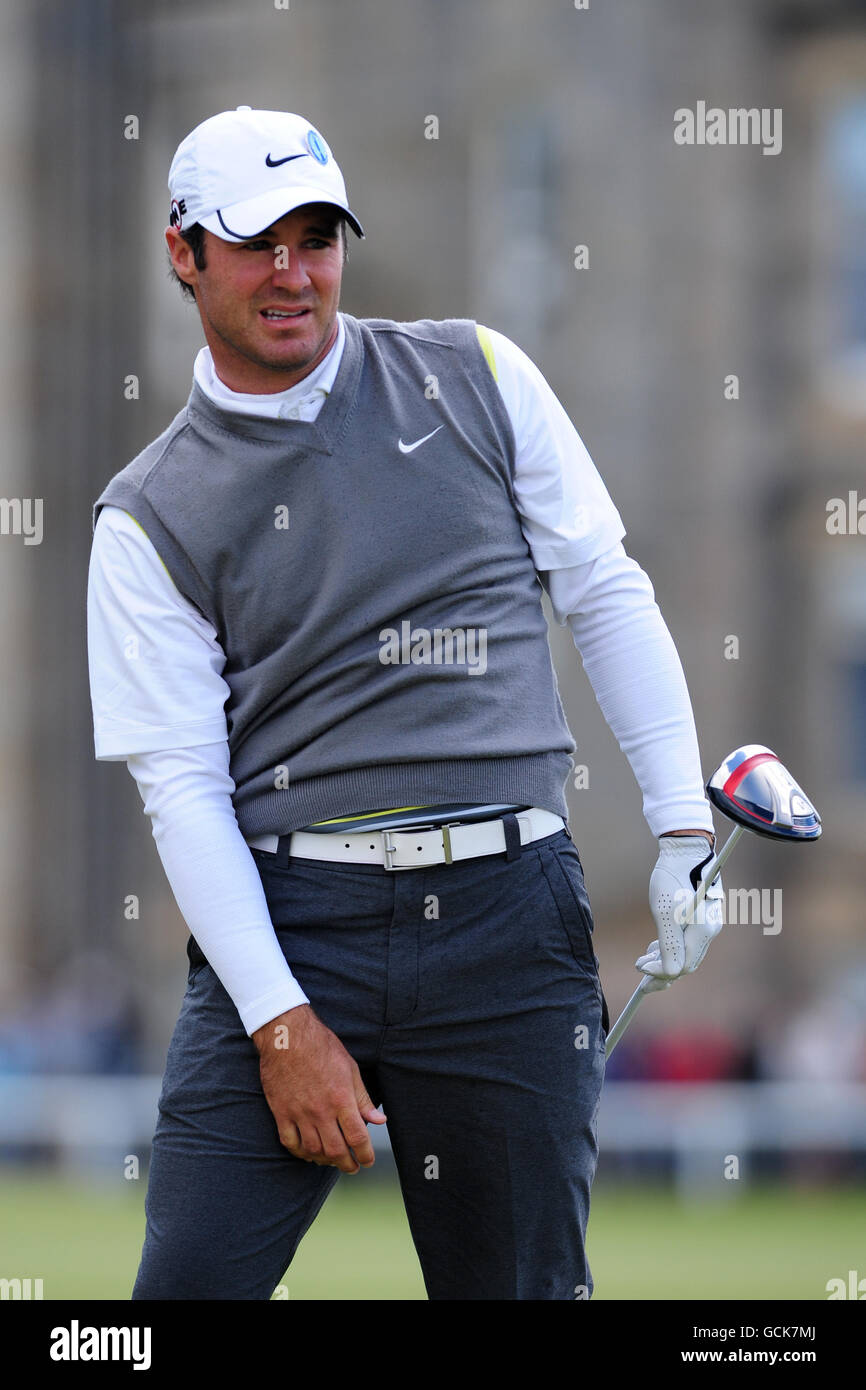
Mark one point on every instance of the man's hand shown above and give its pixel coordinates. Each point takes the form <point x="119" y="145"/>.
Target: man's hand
<point x="681" y="944"/>
<point x="315" y="1091"/>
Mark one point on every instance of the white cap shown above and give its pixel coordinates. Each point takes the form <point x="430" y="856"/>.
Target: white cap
<point x="243" y="170"/>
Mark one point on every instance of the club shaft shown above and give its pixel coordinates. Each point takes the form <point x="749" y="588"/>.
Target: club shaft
<point x="625" y="1017"/>
<point x="716" y="864"/>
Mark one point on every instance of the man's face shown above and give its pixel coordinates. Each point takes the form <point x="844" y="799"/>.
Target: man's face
<point x="294" y="267"/>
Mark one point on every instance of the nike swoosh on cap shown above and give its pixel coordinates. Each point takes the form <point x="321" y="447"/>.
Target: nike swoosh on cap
<point x="273" y="163"/>
<point x="410" y="448"/>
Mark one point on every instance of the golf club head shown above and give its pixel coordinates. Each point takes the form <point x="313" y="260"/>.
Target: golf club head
<point x="753" y="788"/>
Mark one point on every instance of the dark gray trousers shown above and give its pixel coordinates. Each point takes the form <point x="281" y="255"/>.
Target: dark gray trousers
<point x="469" y="996"/>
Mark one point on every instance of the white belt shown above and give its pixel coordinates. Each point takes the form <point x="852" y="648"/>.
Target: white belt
<point x="418" y="847"/>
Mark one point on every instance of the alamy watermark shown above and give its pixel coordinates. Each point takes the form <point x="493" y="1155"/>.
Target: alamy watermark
<point x="77" y="1343"/>
<point x="439" y="646"/>
<point x="22" y="516"/>
<point x="750" y="907"/>
<point x="846" y="517"/>
<point x="23" y="1289"/>
<point x="739" y="125"/>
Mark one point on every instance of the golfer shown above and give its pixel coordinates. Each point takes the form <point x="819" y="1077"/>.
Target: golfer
<point x="316" y="638"/>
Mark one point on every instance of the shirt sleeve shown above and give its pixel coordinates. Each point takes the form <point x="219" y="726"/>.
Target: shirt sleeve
<point x="153" y="657"/>
<point x="567" y="515"/>
<point x="187" y="795"/>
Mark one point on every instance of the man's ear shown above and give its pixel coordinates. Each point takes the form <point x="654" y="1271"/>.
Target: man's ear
<point x="182" y="256"/>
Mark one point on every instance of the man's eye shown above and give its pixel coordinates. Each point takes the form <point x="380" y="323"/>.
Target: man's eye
<point x="257" y="246"/>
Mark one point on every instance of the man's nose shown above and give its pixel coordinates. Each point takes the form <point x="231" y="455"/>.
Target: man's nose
<point x="290" y="270"/>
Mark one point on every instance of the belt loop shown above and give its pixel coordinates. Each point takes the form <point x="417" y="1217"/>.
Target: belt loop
<point x="283" y="851"/>
<point x="513" y="848"/>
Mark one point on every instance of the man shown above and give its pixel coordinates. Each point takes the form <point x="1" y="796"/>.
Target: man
<point x="316" y="637"/>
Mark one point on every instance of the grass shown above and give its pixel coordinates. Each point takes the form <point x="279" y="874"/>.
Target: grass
<point x="770" y="1243"/>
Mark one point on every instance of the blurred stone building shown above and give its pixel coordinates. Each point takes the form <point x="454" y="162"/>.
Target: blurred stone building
<point x="554" y="130"/>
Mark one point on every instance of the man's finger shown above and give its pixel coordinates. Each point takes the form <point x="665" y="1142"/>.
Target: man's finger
<point x="311" y="1142"/>
<point x="374" y="1114"/>
<point x="357" y="1138"/>
<point x="654" y="984"/>
<point x="335" y="1149"/>
<point x="649" y="958"/>
<point x="290" y="1137"/>
<point x="652" y="965"/>
<point x="656" y="972"/>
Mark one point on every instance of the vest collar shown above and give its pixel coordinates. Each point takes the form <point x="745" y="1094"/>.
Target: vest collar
<point x="319" y="435"/>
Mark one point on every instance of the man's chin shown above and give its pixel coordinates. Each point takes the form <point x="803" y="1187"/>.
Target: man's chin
<point x="289" y="343"/>
<point x="286" y="357"/>
<point x="271" y="356"/>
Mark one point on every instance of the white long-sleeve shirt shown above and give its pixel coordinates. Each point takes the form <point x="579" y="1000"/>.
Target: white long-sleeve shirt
<point x="165" y="715"/>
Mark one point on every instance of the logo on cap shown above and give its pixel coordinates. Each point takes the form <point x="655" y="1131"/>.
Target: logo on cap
<point x="317" y="147"/>
<point x="178" y="208"/>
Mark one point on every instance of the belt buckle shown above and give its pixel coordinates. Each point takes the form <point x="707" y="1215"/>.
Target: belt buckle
<point x="391" y="849"/>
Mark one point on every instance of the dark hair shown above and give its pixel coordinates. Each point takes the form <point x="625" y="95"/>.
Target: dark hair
<point x="194" y="237"/>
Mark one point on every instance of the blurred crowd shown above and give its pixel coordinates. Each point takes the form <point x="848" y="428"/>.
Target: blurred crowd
<point x="823" y="1038"/>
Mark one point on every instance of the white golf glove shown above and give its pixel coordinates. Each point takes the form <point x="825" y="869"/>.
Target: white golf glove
<point x="682" y="944"/>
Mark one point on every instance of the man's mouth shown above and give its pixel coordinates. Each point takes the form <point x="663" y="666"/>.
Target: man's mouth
<point x="280" y="315"/>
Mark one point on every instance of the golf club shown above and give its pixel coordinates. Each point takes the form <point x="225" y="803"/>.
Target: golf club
<point x="756" y="791"/>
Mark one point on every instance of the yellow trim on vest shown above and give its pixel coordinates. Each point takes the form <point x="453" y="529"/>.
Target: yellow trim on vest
<point x="147" y="537"/>
<point x="487" y="348"/>
<point x="364" y="815"/>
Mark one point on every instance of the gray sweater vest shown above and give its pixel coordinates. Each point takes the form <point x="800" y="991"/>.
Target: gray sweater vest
<point x="377" y="604"/>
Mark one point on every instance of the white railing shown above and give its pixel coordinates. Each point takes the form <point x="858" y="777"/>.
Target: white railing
<point x="95" y="1121"/>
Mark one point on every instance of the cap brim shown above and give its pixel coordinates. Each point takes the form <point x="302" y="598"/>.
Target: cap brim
<point x="244" y="220"/>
